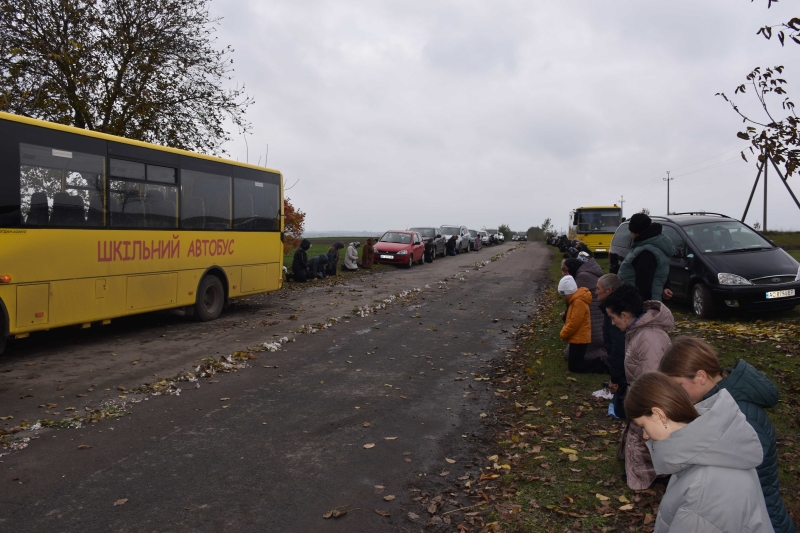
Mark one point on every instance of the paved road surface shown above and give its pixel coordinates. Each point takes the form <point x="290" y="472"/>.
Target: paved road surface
<point x="289" y="443"/>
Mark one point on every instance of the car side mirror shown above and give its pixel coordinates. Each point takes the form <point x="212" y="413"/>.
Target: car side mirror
<point x="438" y="235"/>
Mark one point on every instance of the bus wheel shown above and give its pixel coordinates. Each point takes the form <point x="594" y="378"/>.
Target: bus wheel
<point x="210" y="299"/>
<point x="2" y="343"/>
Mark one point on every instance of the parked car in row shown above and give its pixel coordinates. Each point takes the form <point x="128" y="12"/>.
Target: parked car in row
<point x="484" y="237"/>
<point x="431" y="232"/>
<point x="399" y="247"/>
<point x="475" y="240"/>
<point x="720" y="263"/>
<point x="493" y="239"/>
<point x="462" y="237"/>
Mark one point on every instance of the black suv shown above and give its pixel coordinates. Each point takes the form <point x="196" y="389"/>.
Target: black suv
<point x="429" y="232"/>
<point x="720" y="262"/>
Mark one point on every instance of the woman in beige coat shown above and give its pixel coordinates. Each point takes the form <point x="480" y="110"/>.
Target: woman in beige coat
<point x="645" y="325"/>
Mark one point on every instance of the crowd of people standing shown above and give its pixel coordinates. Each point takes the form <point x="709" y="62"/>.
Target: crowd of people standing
<point x="690" y="424"/>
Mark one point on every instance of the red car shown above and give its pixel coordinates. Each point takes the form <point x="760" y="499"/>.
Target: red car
<point x="398" y="247"/>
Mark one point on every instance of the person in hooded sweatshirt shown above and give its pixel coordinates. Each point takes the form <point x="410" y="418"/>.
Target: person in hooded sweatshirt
<point x="645" y="325"/>
<point x="693" y="364"/>
<point x="586" y="272"/>
<point x="577" y="330"/>
<point x="351" y="257"/>
<point x="647" y="264"/>
<point x="300" y="261"/>
<point x="318" y="266"/>
<point x="711" y="452"/>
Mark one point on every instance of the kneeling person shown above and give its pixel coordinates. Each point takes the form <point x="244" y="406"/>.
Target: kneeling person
<point x="577" y="330"/>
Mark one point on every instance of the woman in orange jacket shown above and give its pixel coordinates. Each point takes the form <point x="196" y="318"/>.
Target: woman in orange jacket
<point x="577" y="330"/>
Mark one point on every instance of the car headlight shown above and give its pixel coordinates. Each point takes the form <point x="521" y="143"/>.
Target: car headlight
<point x="732" y="279"/>
<point x="402" y="252"/>
<point x="797" y="277"/>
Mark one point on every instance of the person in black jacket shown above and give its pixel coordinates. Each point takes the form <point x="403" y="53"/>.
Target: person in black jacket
<point x="450" y="246"/>
<point x="693" y="363"/>
<point x="614" y="341"/>
<point x="300" y="261"/>
<point x="430" y="250"/>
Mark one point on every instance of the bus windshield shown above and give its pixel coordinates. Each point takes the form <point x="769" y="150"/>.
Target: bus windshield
<point x="597" y="220"/>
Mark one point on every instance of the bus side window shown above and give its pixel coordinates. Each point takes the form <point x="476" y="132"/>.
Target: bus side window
<point x="57" y="186"/>
<point x="213" y="193"/>
<point x="255" y="205"/>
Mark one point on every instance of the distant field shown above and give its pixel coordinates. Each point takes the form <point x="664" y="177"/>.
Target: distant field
<point x="788" y="240"/>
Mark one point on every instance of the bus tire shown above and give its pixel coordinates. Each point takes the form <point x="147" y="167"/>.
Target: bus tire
<point x="2" y="343"/>
<point x="210" y="299"/>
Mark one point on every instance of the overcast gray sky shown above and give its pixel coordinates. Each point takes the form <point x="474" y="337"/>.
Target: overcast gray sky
<point x="400" y="113"/>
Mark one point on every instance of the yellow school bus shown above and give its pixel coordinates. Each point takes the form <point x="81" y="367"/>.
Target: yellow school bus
<point x="94" y="227"/>
<point x="595" y="226"/>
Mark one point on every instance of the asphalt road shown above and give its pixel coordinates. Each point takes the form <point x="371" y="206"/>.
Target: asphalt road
<point x="384" y="405"/>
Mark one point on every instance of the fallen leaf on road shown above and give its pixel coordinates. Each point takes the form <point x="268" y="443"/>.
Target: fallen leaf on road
<point x="548" y="404"/>
<point x="120" y="387"/>
<point x="382" y="513"/>
<point x="389" y="438"/>
<point x="483" y="415"/>
<point x="84" y="447"/>
<point x="121" y="501"/>
<point x="368" y="446"/>
<point x="601" y="497"/>
<point x="335" y="513"/>
<point x="388" y="497"/>
<point x="445" y="474"/>
<point x="366" y="424"/>
<point x="569" y="450"/>
<point x="573" y="458"/>
<point x="626" y="507"/>
<point x="224" y="399"/>
<point x="31" y="364"/>
<point x="648" y="518"/>
<point x="9" y="417"/>
<point x="493" y="458"/>
<point x="451" y="461"/>
<point x="413" y="516"/>
<point x="623" y="499"/>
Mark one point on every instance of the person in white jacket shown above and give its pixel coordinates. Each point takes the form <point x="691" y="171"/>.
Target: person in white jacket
<point x="351" y="257"/>
<point x="710" y="450"/>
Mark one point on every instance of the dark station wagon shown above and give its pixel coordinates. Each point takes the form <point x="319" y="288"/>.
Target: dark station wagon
<point x="721" y="263"/>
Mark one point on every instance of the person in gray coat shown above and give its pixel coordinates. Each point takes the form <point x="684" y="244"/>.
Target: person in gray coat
<point x="693" y="364"/>
<point x="711" y="452"/>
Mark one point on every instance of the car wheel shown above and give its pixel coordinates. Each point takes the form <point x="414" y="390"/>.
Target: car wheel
<point x="210" y="299"/>
<point x="702" y="303"/>
<point x="410" y="261"/>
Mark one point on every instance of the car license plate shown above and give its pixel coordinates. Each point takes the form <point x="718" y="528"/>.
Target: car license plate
<point x="392" y="257"/>
<point x="780" y="294"/>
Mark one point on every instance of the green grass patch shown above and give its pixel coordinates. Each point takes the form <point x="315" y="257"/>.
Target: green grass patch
<point x="551" y="410"/>
<point x="788" y="240"/>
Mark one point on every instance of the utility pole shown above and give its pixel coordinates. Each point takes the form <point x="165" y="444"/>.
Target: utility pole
<point x="621" y="204"/>
<point x="766" y="160"/>
<point x="668" y="179"/>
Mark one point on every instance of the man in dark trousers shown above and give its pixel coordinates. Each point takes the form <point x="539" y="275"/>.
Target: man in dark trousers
<point x="300" y="261"/>
<point x="647" y="264"/>
<point x="614" y="340"/>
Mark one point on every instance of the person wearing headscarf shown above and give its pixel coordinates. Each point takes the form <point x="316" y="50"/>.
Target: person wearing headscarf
<point x="333" y="257"/>
<point x="367" y="254"/>
<point x="351" y="257"/>
<point x="300" y="261"/>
